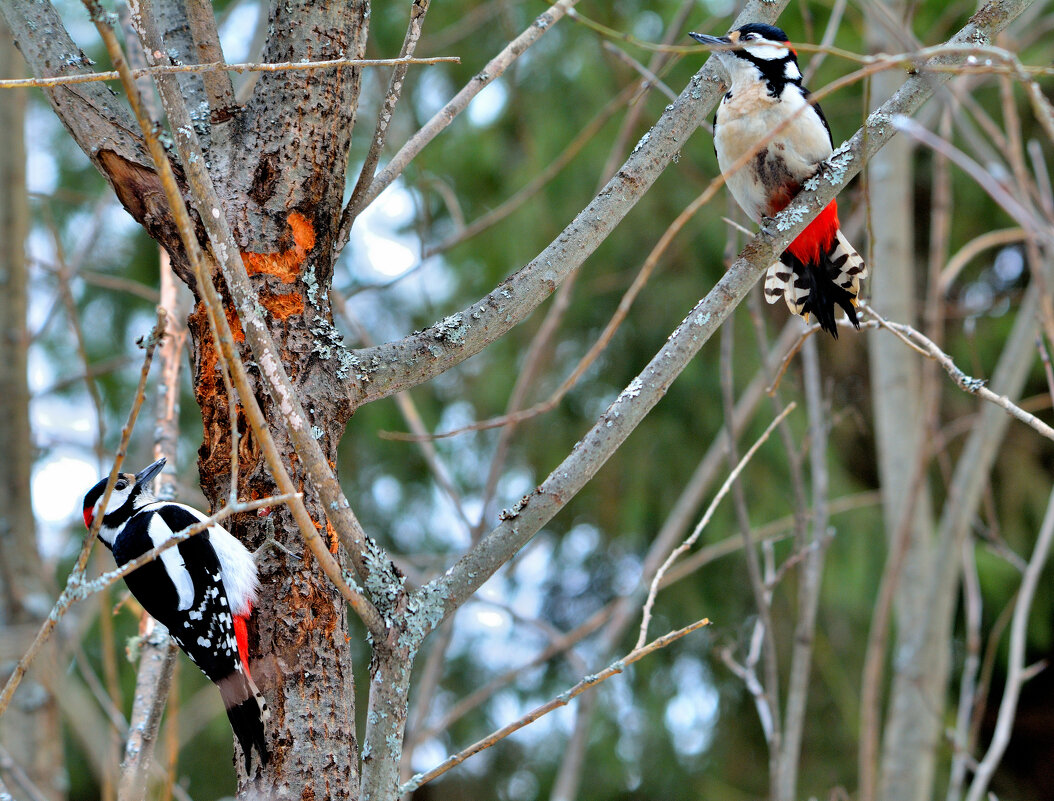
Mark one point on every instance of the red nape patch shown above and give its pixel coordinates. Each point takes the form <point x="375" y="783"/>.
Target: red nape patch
<point x="88" y="517"/>
<point x="818" y="237"/>
<point x="241" y="634"/>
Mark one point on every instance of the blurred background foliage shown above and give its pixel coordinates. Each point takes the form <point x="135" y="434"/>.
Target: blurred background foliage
<point x="679" y="724"/>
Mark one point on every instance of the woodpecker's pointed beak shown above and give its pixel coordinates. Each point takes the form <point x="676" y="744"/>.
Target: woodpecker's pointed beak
<point x="147" y="474"/>
<point x="707" y="39"/>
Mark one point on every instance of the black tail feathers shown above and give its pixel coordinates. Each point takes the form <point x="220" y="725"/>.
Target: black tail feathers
<point x="248" y="728"/>
<point x="817" y="288"/>
<point x="824" y="294"/>
<point x="247" y="711"/>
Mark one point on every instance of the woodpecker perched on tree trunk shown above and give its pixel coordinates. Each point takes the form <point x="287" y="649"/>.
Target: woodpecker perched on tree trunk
<point x="820" y="268"/>
<point x="202" y="590"/>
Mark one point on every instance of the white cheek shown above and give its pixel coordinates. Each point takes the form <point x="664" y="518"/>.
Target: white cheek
<point x="767" y="52"/>
<point x="791" y="71"/>
<point x="117" y="500"/>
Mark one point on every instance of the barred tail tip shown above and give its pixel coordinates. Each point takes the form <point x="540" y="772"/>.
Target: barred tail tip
<point x="818" y="288"/>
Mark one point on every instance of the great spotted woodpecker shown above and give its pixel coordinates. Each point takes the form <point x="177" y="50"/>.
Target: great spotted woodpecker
<point x="819" y="268"/>
<point x="202" y="590"/>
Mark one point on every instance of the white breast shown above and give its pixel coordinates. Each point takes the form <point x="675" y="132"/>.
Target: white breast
<point x="744" y="120"/>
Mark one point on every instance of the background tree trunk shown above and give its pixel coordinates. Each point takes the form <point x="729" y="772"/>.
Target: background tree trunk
<point x="909" y="737"/>
<point x="31" y="730"/>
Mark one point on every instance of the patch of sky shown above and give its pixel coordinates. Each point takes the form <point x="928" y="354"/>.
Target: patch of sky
<point x="387" y="493"/>
<point x="236" y="32"/>
<point x="434" y="90"/>
<point x="58" y="485"/>
<point x="42" y="169"/>
<point x="530" y="572"/>
<point x="513" y="485"/>
<point x="580" y="542"/>
<point x="691" y="714"/>
<point x="488" y="105"/>
<point x="383" y="254"/>
<point x="648" y="26"/>
<point x="428" y="754"/>
<point x="387" y="251"/>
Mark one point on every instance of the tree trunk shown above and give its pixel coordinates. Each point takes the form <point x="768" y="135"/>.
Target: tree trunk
<point x="281" y="178"/>
<point x="912" y="726"/>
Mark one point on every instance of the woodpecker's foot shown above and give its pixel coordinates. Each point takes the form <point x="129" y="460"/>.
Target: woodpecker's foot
<point x="768" y="226"/>
<point x="271" y="542"/>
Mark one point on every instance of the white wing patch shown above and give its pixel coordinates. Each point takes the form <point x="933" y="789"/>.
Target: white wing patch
<point x="237" y="566"/>
<point x="239" y="570"/>
<point x="173" y="561"/>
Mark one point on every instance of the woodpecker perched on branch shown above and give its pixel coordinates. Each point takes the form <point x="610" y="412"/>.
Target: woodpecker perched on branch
<point x="820" y="268"/>
<point x="202" y="590"/>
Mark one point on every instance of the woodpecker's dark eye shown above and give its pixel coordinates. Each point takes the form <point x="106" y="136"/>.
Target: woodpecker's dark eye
<point x="121" y="484"/>
<point x="751" y="37"/>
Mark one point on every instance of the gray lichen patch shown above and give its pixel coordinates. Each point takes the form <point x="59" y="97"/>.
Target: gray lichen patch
<point x="837" y="163"/>
<point x="329" y="344"/>
<point x="451" y="329"/>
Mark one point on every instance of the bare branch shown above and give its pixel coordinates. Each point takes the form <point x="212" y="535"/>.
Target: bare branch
<point x="494" y="69"/>
<point x="561" y="700"/>
<point x="157" y="653"/>
<point x="975" y="386"/>
<point x="151" y="693"/>
<point x="1016" y="661"/>
<point x="703" y="521"/>
<point x="527" y="288"/>
<point x="418" y="9"/>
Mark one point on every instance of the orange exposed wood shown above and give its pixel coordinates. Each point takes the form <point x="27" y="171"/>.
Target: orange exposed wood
<point x="281" y="306"/>
<point x="234" y="323"/>
<point x="285" y="265"/>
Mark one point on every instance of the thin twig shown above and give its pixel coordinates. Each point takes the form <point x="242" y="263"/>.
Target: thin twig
<point x="809" y="583"/>
<point x="76" y="575"/>
<point x="157" y="654"/>
<point x="1016" y="660"/>
<point x="494" y="69"/>
<point x="418" y="9"/>
<point x="703" y="521"/>
<point x="151" y="692"/>
<point x="173" y="69"/>
<point x="960" y="736"/>
<point x="650" y="78"/>
<point x="560" y="700"/>
<point x="975" y="386"/>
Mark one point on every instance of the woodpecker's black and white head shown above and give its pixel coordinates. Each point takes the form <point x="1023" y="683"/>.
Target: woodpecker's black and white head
<point x="755" y="52"/>
<point x="130" y="493"/>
